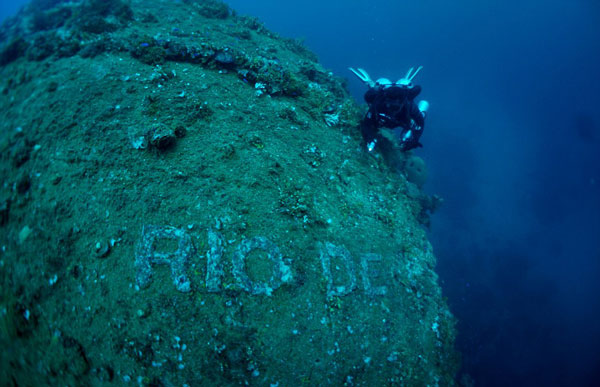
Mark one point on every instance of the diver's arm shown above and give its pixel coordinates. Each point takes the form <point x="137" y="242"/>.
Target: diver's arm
<point x="370" y="131"/>
<point x="416" y="115"/>
<point x="411" y="135"/>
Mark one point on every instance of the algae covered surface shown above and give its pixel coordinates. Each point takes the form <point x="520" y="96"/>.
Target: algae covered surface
<point x="185" y="200"/>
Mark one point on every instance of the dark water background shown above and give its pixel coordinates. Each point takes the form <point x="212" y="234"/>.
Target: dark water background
<point x="513" y="145"/>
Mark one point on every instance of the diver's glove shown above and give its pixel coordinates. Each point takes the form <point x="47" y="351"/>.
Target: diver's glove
<point x="371" y="145"/>
<point x="409" y="144"/>
<point x="406" y="140"/>
<point x="410" y="137"/>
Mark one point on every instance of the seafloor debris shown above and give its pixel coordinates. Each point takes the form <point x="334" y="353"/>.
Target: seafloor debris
<point x="161" y="137"/>
<point x="102" y="249"/>
<point x="24" y="234"/>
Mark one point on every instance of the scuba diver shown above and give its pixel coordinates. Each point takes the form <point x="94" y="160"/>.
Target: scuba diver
<point x="392" y="106"/>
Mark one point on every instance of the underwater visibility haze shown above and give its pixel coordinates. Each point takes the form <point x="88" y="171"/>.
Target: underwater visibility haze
<point x="187" y="198"/>
<point x="512" y="145"/>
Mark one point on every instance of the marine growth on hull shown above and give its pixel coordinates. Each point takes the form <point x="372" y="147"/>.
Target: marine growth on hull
<point x="186" y="200"/>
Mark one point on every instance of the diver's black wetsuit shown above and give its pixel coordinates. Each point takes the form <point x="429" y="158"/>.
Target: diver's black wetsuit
<point x="392" y="107"/>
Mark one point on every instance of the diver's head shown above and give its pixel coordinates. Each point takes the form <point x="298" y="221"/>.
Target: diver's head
<point x="407" y="80"/>
<point x="384" y="83"/>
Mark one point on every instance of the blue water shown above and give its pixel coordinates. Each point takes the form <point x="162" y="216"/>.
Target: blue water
<point x="512" y="143"/>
